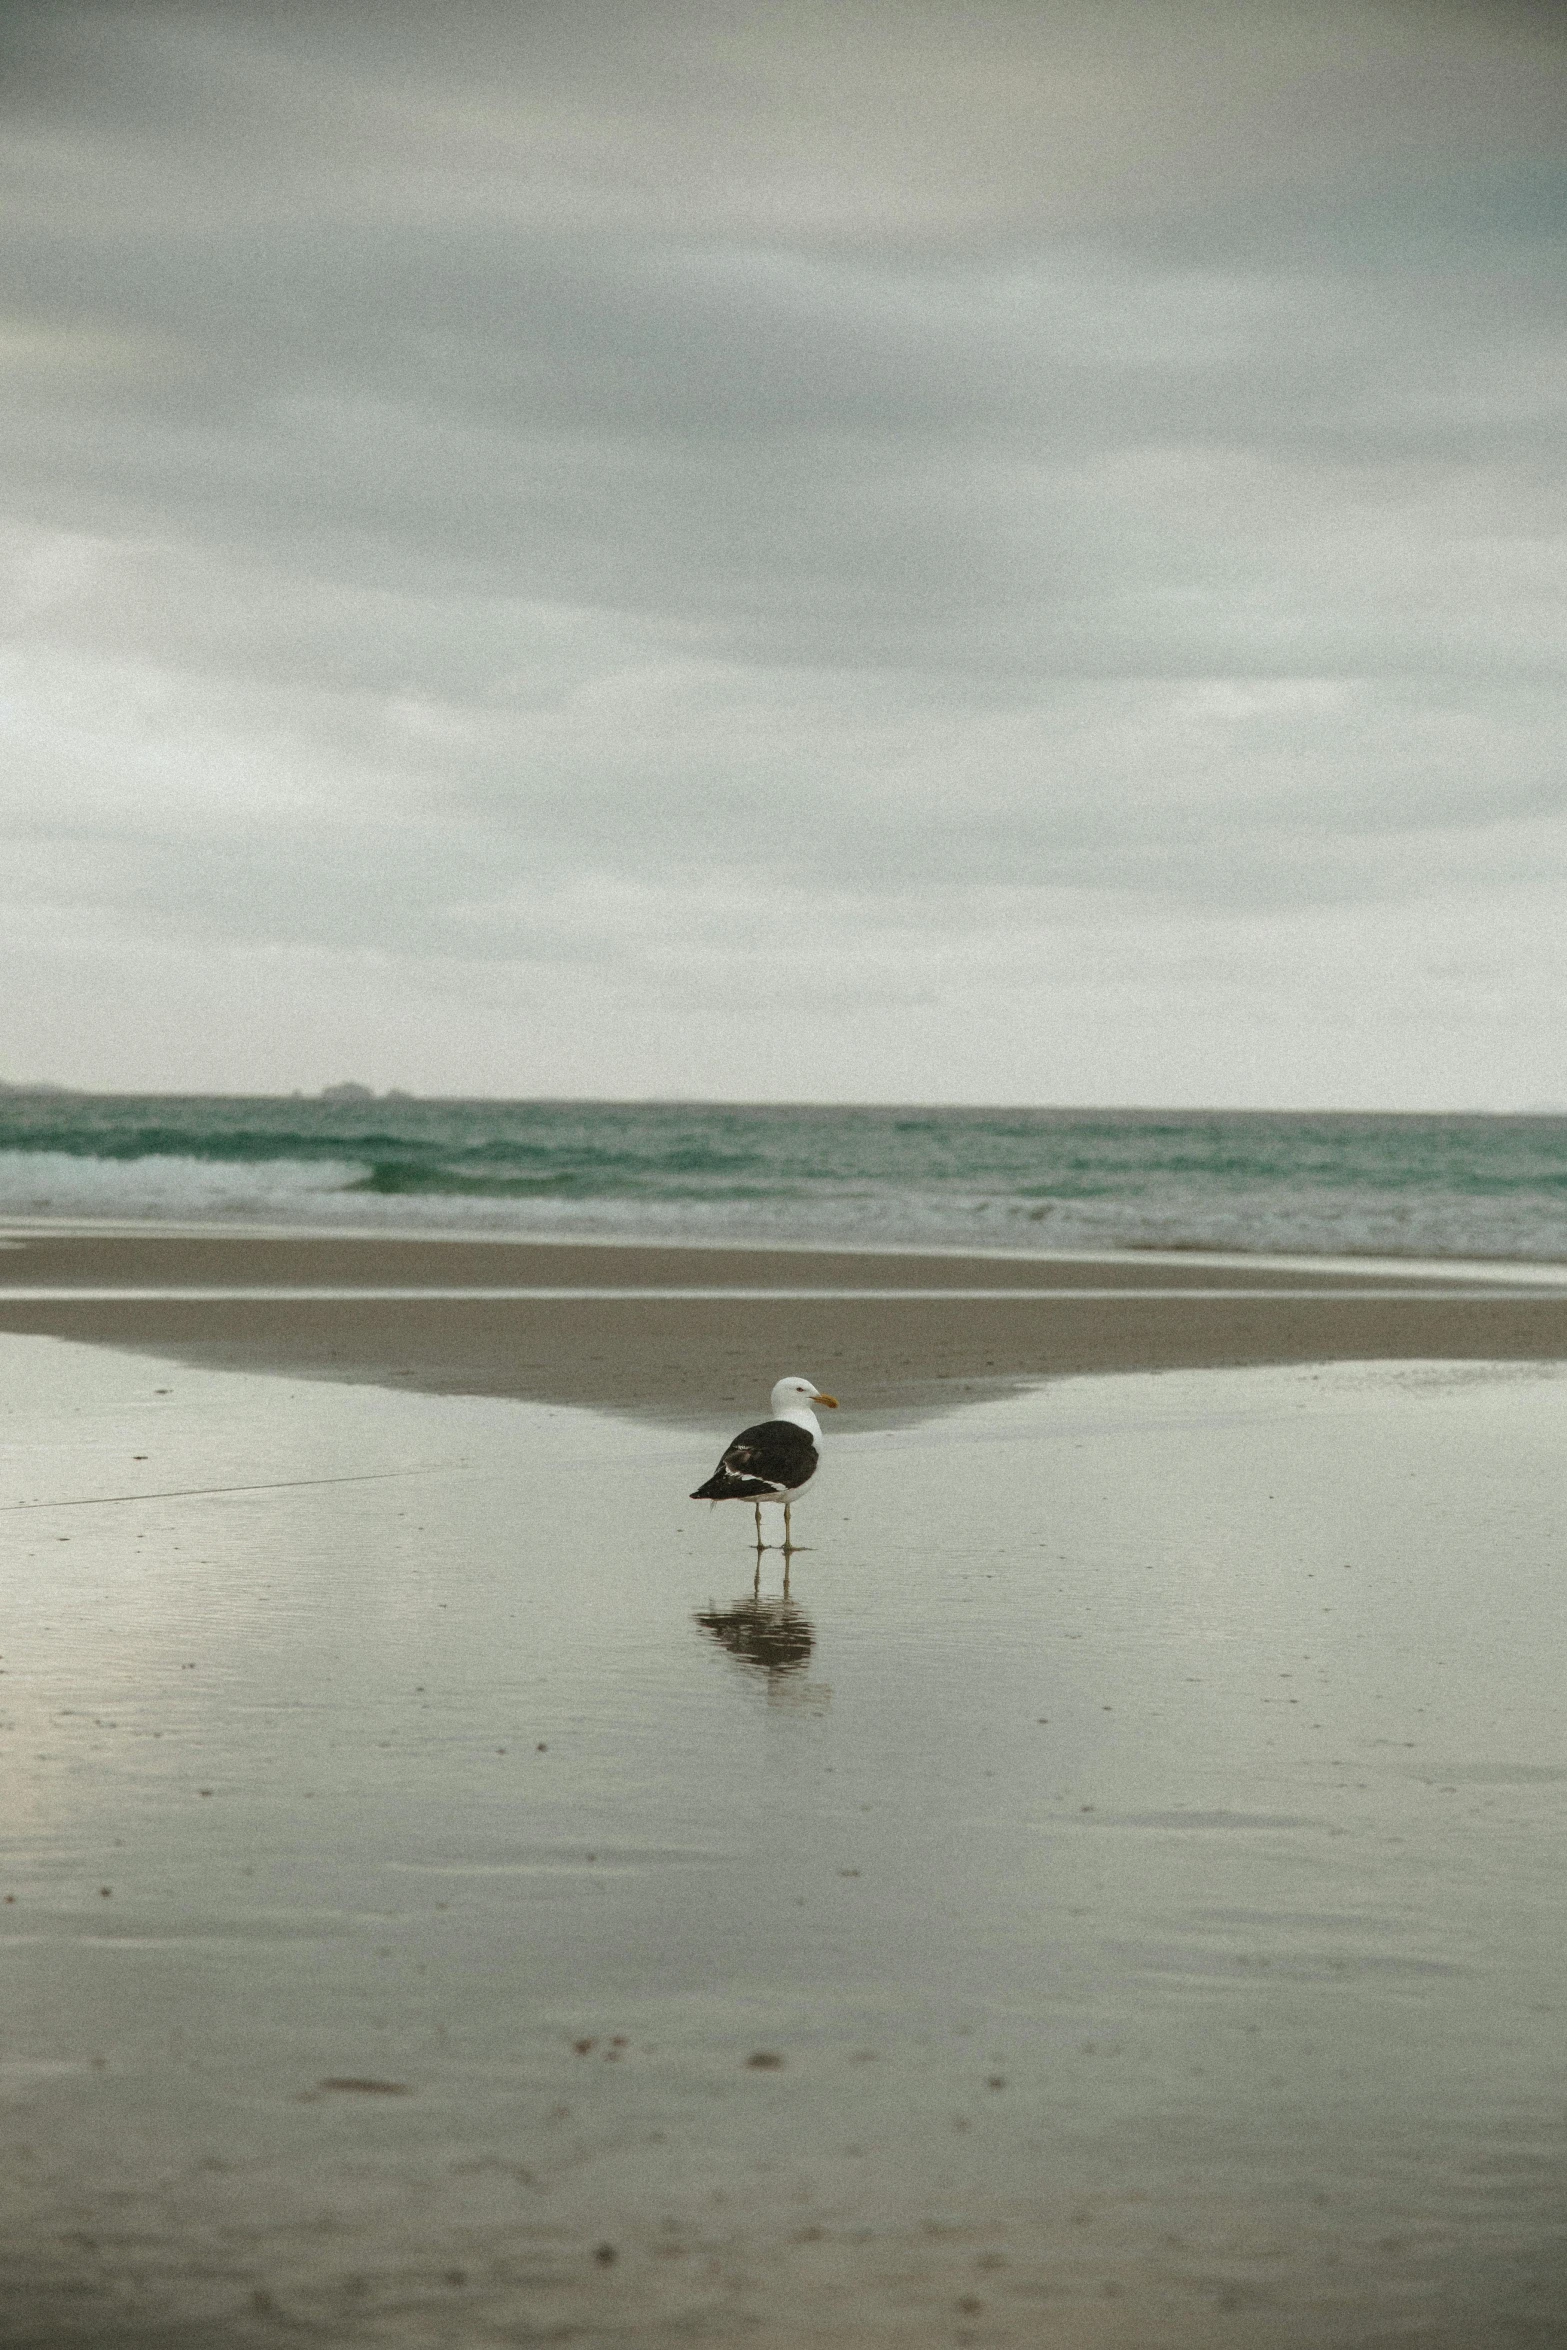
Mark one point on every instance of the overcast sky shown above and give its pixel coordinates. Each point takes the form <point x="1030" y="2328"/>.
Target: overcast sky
<point x="944" y="552"/>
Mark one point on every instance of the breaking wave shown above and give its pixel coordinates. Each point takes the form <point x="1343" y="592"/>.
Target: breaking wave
<point x="1032" y="1180"/>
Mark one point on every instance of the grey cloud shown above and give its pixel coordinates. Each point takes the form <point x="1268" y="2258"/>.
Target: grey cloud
<point x="774" y="438"/>
<point x="503" y="482"/>
<point x="918" y="118"/>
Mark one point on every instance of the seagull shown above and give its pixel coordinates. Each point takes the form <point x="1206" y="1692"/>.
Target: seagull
<point x="773" y="1460"/>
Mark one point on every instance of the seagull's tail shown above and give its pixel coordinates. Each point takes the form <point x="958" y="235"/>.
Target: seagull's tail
<point x="723" y="1486"/>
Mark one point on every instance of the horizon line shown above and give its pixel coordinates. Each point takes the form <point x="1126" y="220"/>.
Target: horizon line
<point x="368" y="1097"/>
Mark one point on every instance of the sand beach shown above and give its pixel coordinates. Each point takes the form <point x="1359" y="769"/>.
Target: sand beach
<point x="691" y="1332"/>
<point x="1111" y="1897"/>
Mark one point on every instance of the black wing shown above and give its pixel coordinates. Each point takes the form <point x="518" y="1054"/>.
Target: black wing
<point x="775" y="1456"/>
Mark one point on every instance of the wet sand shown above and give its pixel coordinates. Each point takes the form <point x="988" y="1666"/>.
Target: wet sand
<point x="700" y="1356"/>
<point x="1114" y="1899"/>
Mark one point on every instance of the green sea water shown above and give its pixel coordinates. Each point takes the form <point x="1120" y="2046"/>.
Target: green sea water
<point x="1040" y="1179"/>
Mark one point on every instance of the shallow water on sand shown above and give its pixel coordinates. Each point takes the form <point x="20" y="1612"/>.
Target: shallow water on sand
<point x="1117" y="1899"/>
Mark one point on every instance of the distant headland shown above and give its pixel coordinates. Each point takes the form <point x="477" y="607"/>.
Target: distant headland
<point x="350" y="1091"/>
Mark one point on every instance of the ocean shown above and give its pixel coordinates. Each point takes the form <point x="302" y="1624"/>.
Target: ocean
<point x="1035" y="1180"/>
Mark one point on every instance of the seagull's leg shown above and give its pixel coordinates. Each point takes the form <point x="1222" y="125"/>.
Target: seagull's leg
<point x="789" y="1543"/>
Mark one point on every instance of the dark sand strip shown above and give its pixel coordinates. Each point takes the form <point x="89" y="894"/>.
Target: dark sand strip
<point x="704" y="1359"/>
<point x="233" y="1259"/>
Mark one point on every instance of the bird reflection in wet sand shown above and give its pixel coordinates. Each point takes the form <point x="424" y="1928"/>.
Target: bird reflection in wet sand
<point x="772" y="1634"/>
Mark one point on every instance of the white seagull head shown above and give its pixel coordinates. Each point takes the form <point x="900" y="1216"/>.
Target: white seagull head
<point x="793" y="1395"/>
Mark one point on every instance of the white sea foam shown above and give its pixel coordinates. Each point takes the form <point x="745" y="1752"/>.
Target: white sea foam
<point x="1296" y="1218"/>
<point x="166" y="1188"/>
<point x="1042" y="1182"/>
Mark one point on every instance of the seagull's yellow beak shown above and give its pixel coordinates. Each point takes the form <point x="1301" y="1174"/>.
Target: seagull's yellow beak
<point x="831" y="1401"/>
